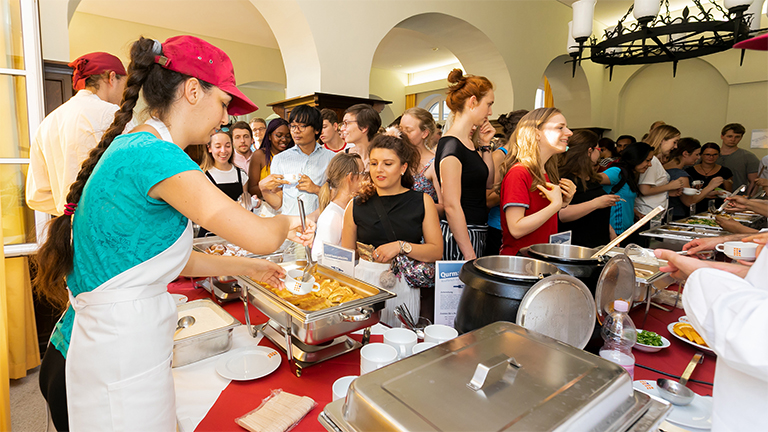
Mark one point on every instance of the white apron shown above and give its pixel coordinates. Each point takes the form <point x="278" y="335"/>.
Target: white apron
<point x="118" y="368"/>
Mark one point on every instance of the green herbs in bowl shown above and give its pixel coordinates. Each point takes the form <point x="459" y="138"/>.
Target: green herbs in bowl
<point x="649" y="341"/>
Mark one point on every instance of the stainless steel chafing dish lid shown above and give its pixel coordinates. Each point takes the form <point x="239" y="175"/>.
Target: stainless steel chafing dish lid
<point x="515" y="267"/>
<point x="499" y="377"/>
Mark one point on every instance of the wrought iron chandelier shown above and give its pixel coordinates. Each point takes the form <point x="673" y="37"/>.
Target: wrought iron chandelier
<point x="656" y="38"/>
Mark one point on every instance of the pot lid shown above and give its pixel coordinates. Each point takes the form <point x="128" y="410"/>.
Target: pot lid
<point x="560" y="307"/>
<point x="563" y="253"/>
<point x="616" y="282"/>
<point x="515" y="267"/>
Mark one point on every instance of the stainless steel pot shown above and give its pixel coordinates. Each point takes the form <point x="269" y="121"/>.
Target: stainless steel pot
<point x="494" y="287"/>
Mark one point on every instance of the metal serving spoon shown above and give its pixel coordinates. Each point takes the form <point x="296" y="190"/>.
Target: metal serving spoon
<point x="677" y="392"/>
<point x="184" y="322"/>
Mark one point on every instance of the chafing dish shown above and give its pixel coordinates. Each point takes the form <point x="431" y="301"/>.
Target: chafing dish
<point x="197" y="347"/>
<point x="225" y="288"/>
<point x="499" y="377"/>
<point x="303" y="334"/>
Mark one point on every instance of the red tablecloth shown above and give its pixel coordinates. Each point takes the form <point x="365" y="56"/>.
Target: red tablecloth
<point x="240" y="397"/>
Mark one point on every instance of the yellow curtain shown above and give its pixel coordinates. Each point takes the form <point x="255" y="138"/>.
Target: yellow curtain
<point x="549" y="99"/>
<point x="5" y="395"/>
<point x="410" y="100"/>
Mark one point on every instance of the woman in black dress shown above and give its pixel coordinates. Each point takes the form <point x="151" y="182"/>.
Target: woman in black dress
<point x="589" y="214"/>
<point x="393" y="218"/>
<point x="465" y="172"/>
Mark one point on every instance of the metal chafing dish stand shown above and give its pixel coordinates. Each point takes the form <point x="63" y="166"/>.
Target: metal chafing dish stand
<point x="499" y="377"/>
<point x="309" y="338"/>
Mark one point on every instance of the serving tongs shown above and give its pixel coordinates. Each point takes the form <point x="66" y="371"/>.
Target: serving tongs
<point x="739" y="190"/>
<point x="629" y="231"/>
<point x="310" y="267"/>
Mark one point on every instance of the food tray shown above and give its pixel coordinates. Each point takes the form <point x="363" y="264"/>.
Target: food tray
<point x="691" y="222"/>
<point x="200" y="244"/>
<point x="194" y="348"/>
<point x="316" y="327"/>
<point x="684" y="233"/>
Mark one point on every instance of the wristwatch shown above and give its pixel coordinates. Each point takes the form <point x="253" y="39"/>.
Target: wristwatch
<point x="484" y="149"/>
<point x="405" y="248"/>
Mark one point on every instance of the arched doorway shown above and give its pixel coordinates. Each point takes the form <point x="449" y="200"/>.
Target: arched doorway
<point x="570" y="93"/>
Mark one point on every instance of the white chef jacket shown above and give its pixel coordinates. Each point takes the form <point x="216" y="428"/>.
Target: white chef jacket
<point x="61" y="143"/>
<point x="731" y="314"/>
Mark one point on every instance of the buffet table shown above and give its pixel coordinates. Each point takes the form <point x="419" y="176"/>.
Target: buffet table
<point x="241" y="397"/>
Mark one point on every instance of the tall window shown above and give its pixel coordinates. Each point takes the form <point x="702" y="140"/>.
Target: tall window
<point x="20" y="113"/>
<point x="439" y="110"/>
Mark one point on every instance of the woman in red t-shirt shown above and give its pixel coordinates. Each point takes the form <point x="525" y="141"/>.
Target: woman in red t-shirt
<point x="529" y="201"/>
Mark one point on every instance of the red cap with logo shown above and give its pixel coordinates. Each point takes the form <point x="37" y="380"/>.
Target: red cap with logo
<point x="94" y="63"/>
<point x="197" y="58"/>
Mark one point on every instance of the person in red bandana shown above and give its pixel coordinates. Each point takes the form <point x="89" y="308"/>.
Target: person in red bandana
<point x="66" y="136"/>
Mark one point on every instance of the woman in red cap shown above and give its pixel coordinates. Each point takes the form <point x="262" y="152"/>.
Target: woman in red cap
<point x="65" y="137"/>
<point x="126" y="233"/>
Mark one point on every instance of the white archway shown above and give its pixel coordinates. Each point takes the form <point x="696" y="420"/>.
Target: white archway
<point x="571" y="93"/>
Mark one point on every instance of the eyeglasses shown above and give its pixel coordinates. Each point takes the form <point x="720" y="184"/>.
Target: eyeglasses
<point x="710" y="155"/>
<point x="598" y="148"/>
<point x="223" y="129"/>
<point x="346" y="123"/>
<point x="298" y="127"/>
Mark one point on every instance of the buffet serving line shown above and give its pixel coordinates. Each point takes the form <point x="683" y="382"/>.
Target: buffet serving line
<point x="315" y="376"/>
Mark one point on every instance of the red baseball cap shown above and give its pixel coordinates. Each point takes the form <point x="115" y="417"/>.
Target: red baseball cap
<point x="197" y="58"/>
<point x="759" y="43"/>
<point x="94" y="63"/>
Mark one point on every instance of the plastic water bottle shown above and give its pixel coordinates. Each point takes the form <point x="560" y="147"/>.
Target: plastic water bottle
<point x="620" y="336"/>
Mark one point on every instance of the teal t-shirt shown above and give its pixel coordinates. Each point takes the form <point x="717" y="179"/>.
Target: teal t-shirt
<point x="117" y="225"/>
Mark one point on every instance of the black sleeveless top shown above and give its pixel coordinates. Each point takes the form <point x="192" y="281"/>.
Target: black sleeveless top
<point x="405" y="212"/>
<point x="232" y="190"/>
<point x="474" y="175"/>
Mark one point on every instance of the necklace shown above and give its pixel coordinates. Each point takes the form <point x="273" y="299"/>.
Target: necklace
<point x="707" y="172"/>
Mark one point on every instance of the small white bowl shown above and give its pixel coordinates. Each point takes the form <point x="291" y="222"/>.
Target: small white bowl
<point x="691" y="191"/>
<point x="650" y="348"/>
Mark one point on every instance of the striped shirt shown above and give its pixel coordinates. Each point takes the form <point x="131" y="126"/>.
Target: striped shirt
<point x="295" y="161"/>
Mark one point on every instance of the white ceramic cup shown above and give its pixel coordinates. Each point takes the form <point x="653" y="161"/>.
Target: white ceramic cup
<point x="403" y="340"/>
<point x="376" y="355"/>
<point x="422" y="346"/>
<point x="294" y="284"/>
<point x="291" y="178"/>
<point x="698" y="184"/>
<point x="341" y="386"/>
<point x="691" y="191"/>
<point x="438" y="333"/>
<point x="738" y="250"/>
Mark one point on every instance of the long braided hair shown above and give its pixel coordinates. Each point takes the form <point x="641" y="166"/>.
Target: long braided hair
<point x="55" y="256"/>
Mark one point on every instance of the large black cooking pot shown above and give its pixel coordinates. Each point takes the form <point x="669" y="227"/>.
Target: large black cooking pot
<point x="493" y="288"/>
<point x="576" y="261"/>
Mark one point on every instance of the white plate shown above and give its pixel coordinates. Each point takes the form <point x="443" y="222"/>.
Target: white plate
<point x="248" y="363"/>
<point x="698" y="414"/>
<point x="180" y="299"/>
<point x="671" y="330"/>
<point x="650" y="348"/>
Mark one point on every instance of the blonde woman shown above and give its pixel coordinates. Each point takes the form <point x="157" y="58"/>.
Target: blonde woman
<point x="532" y="192"/>
<point x="419" y="125"/>
<point x="654" y="183"/>
<point x="345" y="173"/>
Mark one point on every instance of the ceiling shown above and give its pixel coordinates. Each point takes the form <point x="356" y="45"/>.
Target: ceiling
<point x="235" y="20"/>
<point x="401" y="50"/>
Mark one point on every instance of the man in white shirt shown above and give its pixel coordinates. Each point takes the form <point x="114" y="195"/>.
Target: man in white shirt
<point x="302" y="168"/>
<point x="361" y="123"/>
<point x="727" y="304"/>
<point x="242" y="139"/>
<point x="66" y="136"/>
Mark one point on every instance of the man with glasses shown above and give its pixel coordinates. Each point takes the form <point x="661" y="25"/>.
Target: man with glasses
<point x="258" y="127"/>
<point x="242" y="141"/>
<point x="302" y="167"/>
